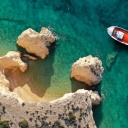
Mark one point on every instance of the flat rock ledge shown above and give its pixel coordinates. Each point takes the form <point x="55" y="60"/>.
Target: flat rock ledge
<point x="88" y="70"/>
<point x="30" y="57"/>
<point x="72" y="110"/>
<point x="36" y="43"/>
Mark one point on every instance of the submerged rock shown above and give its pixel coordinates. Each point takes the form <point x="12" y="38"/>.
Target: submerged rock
<point x="111" y="57"/>
<point x="88" y="70"/>
<point x="36" y="43"/>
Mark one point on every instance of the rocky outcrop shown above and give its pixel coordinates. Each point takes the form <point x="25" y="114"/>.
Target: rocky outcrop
<point x="12" y="59"/>
<point x="36" y="43"/>
<point x="3" y="80"/>
<point x="8" y="62"/>
<point x="88" y="70"/>
<point x="30" y="57"/>
<point x="72" y="110"/>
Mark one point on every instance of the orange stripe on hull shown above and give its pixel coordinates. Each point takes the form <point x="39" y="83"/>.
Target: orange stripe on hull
<point x="125" y="38"/>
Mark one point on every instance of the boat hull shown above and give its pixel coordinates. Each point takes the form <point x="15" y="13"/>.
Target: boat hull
<point x="124" y="39"/>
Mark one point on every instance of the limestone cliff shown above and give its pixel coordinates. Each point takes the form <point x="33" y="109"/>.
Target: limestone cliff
<point x="72" y="110"/>
<point x="36" y="43"/>
<point x="88" y="70"/>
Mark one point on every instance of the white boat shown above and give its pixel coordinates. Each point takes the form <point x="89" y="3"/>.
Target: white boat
<point x="118" y="34"/>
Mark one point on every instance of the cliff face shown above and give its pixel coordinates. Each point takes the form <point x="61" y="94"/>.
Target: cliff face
<point x="88" y="70"/>
<point x="72" y="110"/>
<point x="8" y="63"/>
<point x="36" y="43"/>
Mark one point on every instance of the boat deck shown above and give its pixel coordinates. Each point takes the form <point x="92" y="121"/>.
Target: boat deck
<point x="125" y="37"/>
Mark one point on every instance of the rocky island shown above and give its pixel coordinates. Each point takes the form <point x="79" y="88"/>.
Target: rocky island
<point x="88" y="70"/>
<point x="36" y="43"/>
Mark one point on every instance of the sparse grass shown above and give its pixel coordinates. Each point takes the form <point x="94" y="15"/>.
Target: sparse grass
<point x="57" y="125"/>
<point x="80" y="118"/>
<point x="30" y="118"/>
<point x="4" y="124"/>
<point x="27" y="112"/>
<point x="23" y="104"/>
<point x="23" y="124"/>
<point x="36" y="112"/>
<point x="3" y="109"/>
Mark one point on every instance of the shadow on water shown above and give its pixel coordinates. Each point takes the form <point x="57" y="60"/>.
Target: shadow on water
<point x="78" y="85"/>
<point x="96" y="109"/>
<point x="119" y="46"/>
<point x="40" y="72"/>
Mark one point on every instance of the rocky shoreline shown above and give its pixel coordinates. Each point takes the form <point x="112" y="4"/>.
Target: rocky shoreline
<point x="17" y="100"/>
<point x="72" y="110"/>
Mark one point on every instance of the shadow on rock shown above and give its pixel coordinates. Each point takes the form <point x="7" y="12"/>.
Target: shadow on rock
<point x="78" y="85"/>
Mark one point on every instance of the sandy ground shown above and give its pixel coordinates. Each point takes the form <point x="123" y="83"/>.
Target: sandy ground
<point x="23" y="86"/>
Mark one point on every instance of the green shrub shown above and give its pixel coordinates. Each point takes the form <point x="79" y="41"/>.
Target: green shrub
<point x="23" y="124"/>
<point x="4" y="124"/>
<point x="72" y="118"/>
<point x="57" y="125"/>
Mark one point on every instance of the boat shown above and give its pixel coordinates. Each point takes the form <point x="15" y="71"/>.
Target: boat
<point x="119" y="34"/>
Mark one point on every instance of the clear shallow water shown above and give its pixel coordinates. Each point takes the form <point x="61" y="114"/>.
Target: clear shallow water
<point x="81" y="29"/>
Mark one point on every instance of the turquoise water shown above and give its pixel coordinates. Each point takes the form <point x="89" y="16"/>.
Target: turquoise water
<point x="81" y="30"/>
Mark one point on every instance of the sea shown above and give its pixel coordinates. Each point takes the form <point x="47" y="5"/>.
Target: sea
<point x="80" y="28"/>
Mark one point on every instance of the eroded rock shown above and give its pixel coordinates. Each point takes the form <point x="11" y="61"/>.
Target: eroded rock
<point x="8" y="62"/>
<point x="30" y="57"/>
<point x="88" y="70"/>
<point x="36" y="43"/>
<point x="12" y="59"/>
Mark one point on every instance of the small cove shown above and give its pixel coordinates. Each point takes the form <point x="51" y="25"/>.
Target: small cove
<point x="81" y="30"/>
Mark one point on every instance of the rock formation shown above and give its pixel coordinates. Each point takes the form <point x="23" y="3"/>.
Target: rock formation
<point x="88" y="70"/>
<point x="72" y="110"/>
<point x="8" y="62"/>
<point x="12" y="59"/>
<point x="36" y="43"/>
<point x="30" y="57"/>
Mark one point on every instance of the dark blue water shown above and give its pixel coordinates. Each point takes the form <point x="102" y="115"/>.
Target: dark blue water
<point x="81" y="30"/>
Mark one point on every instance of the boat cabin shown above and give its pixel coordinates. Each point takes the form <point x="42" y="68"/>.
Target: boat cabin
<point x="120" y="34"/>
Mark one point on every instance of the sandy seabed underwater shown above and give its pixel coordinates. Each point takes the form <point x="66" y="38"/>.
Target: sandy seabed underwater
<point x="80" y="27"/>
